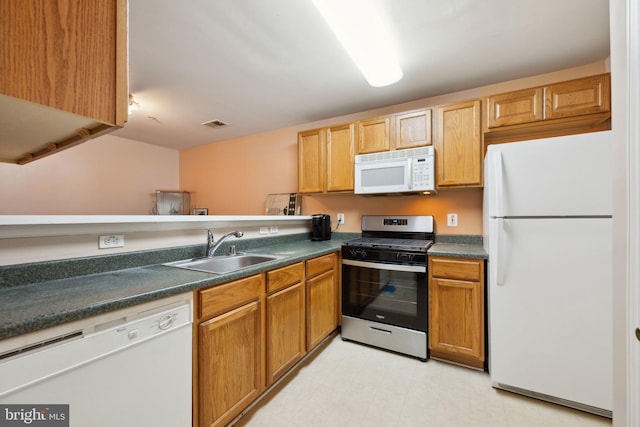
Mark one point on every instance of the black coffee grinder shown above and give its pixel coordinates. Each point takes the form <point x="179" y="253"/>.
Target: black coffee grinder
<point x="321" y="227"/>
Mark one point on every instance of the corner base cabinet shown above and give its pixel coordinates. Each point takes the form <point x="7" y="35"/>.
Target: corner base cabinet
<point x="456" y="310"/>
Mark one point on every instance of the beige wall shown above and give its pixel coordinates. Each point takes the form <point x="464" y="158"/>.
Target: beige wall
<point x="233" y="177"/>
<point x="108" y="175"/>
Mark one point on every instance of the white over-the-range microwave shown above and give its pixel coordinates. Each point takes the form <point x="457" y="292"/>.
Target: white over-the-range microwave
<point x="400" y="171"/>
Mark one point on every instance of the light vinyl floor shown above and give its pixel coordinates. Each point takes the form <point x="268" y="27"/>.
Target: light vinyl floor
<point x="348" y="384"/>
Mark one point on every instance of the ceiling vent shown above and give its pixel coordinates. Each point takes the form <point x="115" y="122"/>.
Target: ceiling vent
<point x="215" y="124"/>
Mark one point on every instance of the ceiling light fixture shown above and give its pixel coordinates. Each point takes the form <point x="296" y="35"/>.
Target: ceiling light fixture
<point x="360" y="27"/>
<point x="133" y="105"/>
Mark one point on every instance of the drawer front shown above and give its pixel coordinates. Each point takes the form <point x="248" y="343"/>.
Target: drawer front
<point x="222" y="298"/>
<point x="320" y="265"/>
<point x="285" y="276"/>
<point x="457" y="268"/>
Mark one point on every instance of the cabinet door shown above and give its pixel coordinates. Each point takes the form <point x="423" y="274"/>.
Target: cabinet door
<point x="459" y="145"/>
<point x="311" y="162"/>
<point x="413" y="129"/>
<point x="229" y="364"/>
<point x="340" y="157"/>
<point x="455" y="318"/>
<point x="373" y="135"/>
<point x="577" y="97"/>
<point x="523" y="106"/>
<point x="322" y="307"/>
<point x="285" y="330"/>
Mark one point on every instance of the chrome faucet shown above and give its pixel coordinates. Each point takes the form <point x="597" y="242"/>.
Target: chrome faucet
<point x="212" y="245"/>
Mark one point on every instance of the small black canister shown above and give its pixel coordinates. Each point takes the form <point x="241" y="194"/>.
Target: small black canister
<point x="321" y="227"/>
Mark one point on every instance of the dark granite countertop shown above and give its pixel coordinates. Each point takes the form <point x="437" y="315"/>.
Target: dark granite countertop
<point x="463" y="246"/>
<point x="27" y="307"/>
<point x="463" y="250"/>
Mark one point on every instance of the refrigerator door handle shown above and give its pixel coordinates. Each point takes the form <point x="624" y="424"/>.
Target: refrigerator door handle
<point x="497" y="184"/>
<point x="499" y="268"/>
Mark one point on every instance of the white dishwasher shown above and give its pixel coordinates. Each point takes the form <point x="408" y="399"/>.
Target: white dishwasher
<point x="130" y="367"/>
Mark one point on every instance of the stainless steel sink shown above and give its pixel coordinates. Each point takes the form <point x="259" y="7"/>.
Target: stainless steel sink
<point x="223" y="263"/>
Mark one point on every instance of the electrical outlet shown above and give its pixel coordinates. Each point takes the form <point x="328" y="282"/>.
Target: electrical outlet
<point x="113" y="241"/>
<point x="452" y="220"/>
<point x="340" y="218"/>
<point x="264" y="230"/>
<point x="274" y="229"/>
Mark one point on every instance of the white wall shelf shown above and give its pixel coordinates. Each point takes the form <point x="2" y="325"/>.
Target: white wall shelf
<point x="16" y="226"/>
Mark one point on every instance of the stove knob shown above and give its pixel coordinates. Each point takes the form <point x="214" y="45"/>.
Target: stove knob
<point x="363" y="254"/>
<point x="353" y="252"/>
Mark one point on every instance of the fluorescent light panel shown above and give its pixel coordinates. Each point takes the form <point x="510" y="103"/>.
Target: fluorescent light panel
<point x="361" y="28"/>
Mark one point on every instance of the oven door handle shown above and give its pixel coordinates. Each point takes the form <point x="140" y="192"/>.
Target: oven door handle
<point x="391" y="267"/>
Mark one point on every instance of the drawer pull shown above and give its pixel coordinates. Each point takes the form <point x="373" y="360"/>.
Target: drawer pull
<point x="384" y="331"/>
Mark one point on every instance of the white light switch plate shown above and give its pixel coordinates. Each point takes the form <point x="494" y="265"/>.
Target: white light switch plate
<point x="452" y="220"/>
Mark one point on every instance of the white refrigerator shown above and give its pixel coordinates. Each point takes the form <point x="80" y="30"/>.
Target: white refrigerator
<point x="547" y="230"/>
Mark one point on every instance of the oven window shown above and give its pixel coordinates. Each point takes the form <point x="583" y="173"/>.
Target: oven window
<point x="393" y="297"/>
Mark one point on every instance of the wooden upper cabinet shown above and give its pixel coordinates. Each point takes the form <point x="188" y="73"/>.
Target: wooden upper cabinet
<point x="459" y="145"/>
<point x="325" y="159"/>
<point x="575" y="106"/>
<point x="578" y="97"/>
<point x="340" y="157"/>
<point x="374" y="135"/>
<point x="68" y="56"/>
<point x="512" y="108"/>
<point x="405" y="130"/>
<point x="412" y="129"/>
<point x="311" y="162"/>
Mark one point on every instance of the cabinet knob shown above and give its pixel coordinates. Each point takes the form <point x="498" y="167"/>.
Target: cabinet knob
<point x="638" y="333"/>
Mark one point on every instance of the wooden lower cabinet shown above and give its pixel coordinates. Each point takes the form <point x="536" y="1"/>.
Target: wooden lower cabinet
<point x="249" y="332"/>
<point x="285" y="317"/>
<point x="229" y="349"/>
<point x="456" y="310"/>
<point x="322" y="298"/>
<point x="230" y="361"/>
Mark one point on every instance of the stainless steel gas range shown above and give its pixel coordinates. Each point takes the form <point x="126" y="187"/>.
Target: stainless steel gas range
<point x="384" y="283"/>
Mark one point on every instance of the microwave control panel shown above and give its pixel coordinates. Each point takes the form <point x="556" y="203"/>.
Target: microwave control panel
<point x="423" y="173"/>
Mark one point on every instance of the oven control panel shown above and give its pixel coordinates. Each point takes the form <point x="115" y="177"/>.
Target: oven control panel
<point x="384" y="255"/>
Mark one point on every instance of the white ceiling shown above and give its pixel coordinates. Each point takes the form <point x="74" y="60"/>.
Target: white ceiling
<point x="260" y="65"/>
